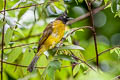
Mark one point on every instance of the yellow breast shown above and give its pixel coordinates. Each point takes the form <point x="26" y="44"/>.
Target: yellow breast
<point x="57" y="34"/>
<point x="55" y="37"/>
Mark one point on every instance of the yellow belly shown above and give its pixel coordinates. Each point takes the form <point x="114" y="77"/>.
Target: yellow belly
<point x="55" y="37"/>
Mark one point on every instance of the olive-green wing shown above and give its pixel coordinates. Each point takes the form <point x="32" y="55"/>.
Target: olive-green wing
<point x="46" y="34"/>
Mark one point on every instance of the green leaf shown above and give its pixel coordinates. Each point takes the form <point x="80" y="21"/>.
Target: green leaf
<point x="41" y="63"/>
<point x="65" y="57"/>
<point x="116" y="50"/>
<point x="1" y="23"/>
<point x="8" y="36"/>
<point x="22" y="12"/>
<point x="60" y="5"/>
<point x="51" y="73"/>
<point x="26" y="59"/>
<point x="5" y="77"/>
<point x="76" y="69"/>
<point x="13" y="71"/>
<point x="106" y="1"/>
<point x="52" y="67"/>
<point x="52" y="8"/>
<point x="80" y="1"/>
<point x="20" y="32"/>
<point x="14" y="54"/>
<point x="1" y="4"/>
<point x="117" y="14"/>
<point x="114" y="5"/>
<point x="55" y="64"/>
<point x="76" y="2"/>
<point x="69" y="39"/>
<point x="71" y="47"/>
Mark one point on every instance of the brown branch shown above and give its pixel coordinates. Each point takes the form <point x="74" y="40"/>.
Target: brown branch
<point x="93" y="31"/>
<point x="2" y="52"/>
<point x="27" y="66"/>
<point x="43" y="67"/>
<point x="75" y="29"/>
<point x="24" y="39"/>
<point x="21" y="45"/>
<point x="116" y="78"/>
<point x="82" y="61"/>
<point x="63" y="66"/>
<point x="75" y="20"/>
<point x="72" y="31"/>
<point x="79" y="18"/>
<point x="87" y="14"/>
<point x="26" y="6"/>
<point x="104" y="52"/>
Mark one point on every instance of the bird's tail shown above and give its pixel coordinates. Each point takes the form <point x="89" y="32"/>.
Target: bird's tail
<point x="32" y="64"/>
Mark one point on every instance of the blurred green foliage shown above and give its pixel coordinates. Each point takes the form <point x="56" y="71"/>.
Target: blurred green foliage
<point x="25" y="25"/>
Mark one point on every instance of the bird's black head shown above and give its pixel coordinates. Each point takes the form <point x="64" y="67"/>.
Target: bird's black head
<point x="63" y="17"/>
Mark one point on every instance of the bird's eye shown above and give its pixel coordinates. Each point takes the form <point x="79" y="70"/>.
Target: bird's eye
<point x="64" y="16"/>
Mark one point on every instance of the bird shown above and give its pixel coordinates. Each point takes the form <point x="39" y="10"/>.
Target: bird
<point x="52" y="35"/>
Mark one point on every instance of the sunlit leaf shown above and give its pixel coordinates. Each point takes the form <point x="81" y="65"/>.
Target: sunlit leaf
<point x="40" y="63"/>
<point x="80" y="1"/>
<point x="59" y="5"/>
<point x="5" y="77"/>
<point x="52" y="8"/>
<point x="17" y="3"/>
<point x="76" y="69"/>
<point x="117" y="14"/>
<point x="69" y="39"/>
<point x="116" y="50"/>
<point x="22" y="12"/>
<point x="14" y="54"/>
<point x="71" y="47"/>
<point x="13" y="71"/>
<point x="20" y="32"/>
<point x="1" y="4"/>
<point x="1" y="23"/>
<point x="8" y="36"/>
<point x="27" y="58"/>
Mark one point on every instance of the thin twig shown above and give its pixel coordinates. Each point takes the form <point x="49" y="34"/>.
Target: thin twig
<point x="75" y="29"/>
<point x="87" y="14"/>
<point x="72" y="30"/>
<point x="2" y="52"/>
<point x="21" y="45"/>
<point x="82" y="61"/>
<point x="62" y="66"/>
<point x="42" y="67"/>
<point x="27" y="66"/>
<point x="27" y="6"/>
<point x="104" y="52"/>
<point x="36" y="35"/>
<point x="75" y="20"/>
<point x="116" y="78"/>
<point x="93" y="31"/>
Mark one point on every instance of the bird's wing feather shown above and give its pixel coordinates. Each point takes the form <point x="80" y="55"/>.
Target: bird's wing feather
<point x="46" y="34"/>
